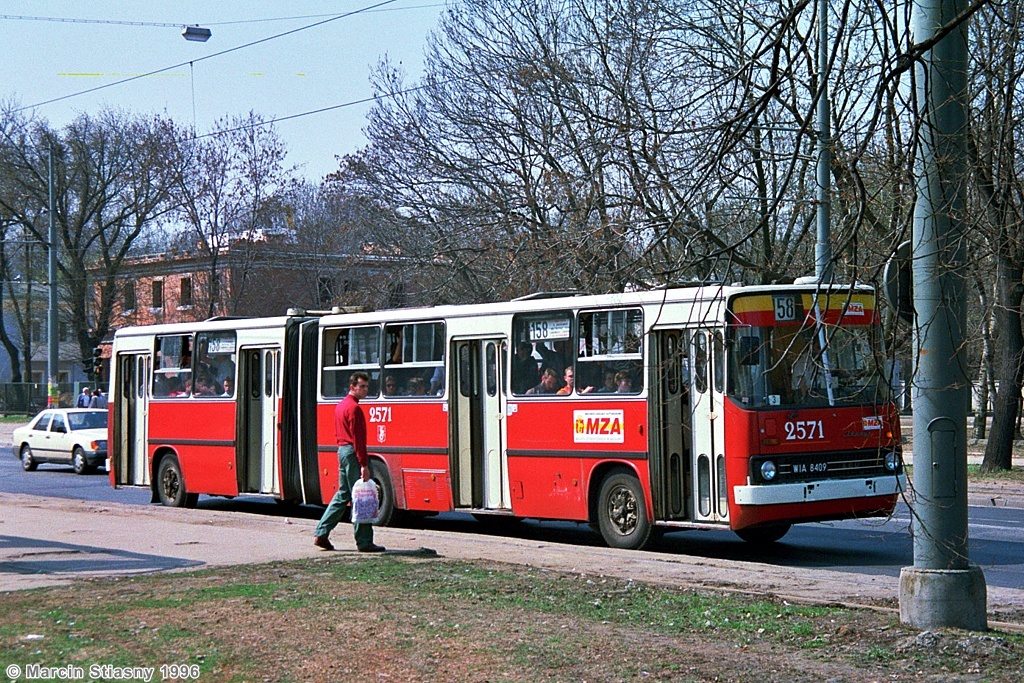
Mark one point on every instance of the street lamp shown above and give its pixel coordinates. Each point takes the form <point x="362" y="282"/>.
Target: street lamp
<point x="196" y="34"/>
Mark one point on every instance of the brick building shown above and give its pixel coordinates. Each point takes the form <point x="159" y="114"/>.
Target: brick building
<point x="262" y="277"/>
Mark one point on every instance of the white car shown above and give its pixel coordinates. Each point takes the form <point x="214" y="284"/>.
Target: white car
<point x="63" y="435"/>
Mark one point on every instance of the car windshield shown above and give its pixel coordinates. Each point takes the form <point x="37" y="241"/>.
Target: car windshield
<point x="95" y="419"/>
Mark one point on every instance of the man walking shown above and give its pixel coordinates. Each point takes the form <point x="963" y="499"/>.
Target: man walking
<point x="353" y="464"/>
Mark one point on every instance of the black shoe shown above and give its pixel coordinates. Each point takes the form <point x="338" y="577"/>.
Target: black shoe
<point x="372" y="548"/>
<point x="322" y="543"/>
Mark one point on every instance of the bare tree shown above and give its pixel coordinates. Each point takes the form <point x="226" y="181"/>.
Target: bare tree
<point x="225" y="190"/>
<point x="110" y="185"/>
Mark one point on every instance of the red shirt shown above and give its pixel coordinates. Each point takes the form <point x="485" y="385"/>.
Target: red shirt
<point x="350" y="427"/>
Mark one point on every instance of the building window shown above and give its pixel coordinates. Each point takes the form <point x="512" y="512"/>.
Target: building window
<point x="158" y="293"/>
<point x="186" y="292"/>
<point x="129" y="295"/>
<point x="65" y="332"/>
<point x="37" y="331"/>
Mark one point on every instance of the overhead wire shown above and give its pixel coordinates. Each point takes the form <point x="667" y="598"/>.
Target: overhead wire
<point x="206" y="57"/>
<point x="162" y="24"/>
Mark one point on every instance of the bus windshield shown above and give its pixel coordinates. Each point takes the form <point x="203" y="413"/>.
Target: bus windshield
<point x="810" y="364"/>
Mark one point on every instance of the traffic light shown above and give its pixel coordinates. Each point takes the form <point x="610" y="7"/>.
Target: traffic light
<point x="97" y="361"/>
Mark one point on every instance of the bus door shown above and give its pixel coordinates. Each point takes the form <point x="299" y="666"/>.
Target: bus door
<point x="480" y="459"/>
<point x="258" y="393"/>
<point x="707" y="388"/>
<point x="131" y="408"/>
<point x="671" y="461"/>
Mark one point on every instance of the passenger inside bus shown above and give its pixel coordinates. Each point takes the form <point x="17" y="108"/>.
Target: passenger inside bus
<point x="548" y="383"/>
<point x="623" y="383"/>
<point x="608" y="383"/>
<point x="524" y="368"/>
<point x="570" y="380"/>
<point x="390" y="386"/>
<point x="416" y="386"/>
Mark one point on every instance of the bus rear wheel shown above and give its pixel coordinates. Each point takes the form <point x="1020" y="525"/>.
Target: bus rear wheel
<point x="170" y="485"/>
<point x="622" y="512"/>
<point x="386" y="512"/>
<point x="763" y="535"/>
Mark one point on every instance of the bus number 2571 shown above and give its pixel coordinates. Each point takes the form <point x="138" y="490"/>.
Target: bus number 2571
<point x="804" y="430"/>
<point x="380" y="414"/>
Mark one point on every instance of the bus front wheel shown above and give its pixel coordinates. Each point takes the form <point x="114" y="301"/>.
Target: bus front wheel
<point x="622" y="512"/>
<point x="170" y="485"/>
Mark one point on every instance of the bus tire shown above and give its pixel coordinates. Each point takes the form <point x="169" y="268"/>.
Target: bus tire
<point x="763" y="535"/>
<point x="79" y="462"/>
<point x="170" y="485"/>
<point x="386" y="513"/>
<point x="28" y="463"/>
<point x="622" y="512"/>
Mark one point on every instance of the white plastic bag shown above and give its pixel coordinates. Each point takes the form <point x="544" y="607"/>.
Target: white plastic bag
<point x="364" y="502"/>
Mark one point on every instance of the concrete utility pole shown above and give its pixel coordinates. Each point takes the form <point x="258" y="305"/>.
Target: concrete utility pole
<point x="823" y="248"/>
<point x="53" y="334"/>
<point x="942" y="588"/>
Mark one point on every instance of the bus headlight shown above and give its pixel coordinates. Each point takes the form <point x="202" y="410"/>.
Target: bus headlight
<point x="892" y="461"/>
<point x="768" y="470"/>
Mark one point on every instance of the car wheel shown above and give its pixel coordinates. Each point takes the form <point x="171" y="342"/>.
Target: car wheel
<point x="28" y="463"/>
<point x="622" y="512"/>
<point x="170" y="485"/>
<point x="79" y="462"/>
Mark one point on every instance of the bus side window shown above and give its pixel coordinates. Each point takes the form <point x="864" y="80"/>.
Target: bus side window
<point x="414" y="366"/>
<point x="611" y="353"/>
<point x="541" y="342"/>
<point x="346" y="350"/>
<point x="172" y="373"/>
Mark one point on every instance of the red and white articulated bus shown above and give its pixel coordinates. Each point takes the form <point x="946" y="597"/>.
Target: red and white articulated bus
<point x="744" y="407"/>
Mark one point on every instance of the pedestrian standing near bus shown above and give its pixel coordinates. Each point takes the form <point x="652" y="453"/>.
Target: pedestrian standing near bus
<point x="83" y="398"/>
<point x="353" y="465"/>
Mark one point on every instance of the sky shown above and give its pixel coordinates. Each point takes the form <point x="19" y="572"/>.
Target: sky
<point x="323" y="66"/>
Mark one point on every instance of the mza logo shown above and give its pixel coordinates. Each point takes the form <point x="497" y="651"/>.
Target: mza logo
<point x="598" y="426"/>
<point x="854" y="308"/>
<point x="382" y="433"/>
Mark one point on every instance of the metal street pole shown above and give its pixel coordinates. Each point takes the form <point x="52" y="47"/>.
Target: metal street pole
<point x="823" y="248"/>
<point x="942" y="588"/>
<point x="52" y="333"/>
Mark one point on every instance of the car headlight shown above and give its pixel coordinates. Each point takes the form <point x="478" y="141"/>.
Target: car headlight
<point x="768" y="470"/>
<point x="98" y="445"/>
<point x="892" y="461"/>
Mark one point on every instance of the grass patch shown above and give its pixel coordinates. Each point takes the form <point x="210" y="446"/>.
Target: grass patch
<point x="407" y="619"/>
<point x="1014" y="475"/>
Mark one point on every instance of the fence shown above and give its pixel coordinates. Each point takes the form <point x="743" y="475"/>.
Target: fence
<point x="30" y="397"/>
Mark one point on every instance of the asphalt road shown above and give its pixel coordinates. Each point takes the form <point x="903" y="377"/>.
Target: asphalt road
<point x="872" y="547"/>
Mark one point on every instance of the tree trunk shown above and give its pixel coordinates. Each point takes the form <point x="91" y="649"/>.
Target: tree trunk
<point x="999" y="451"/>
